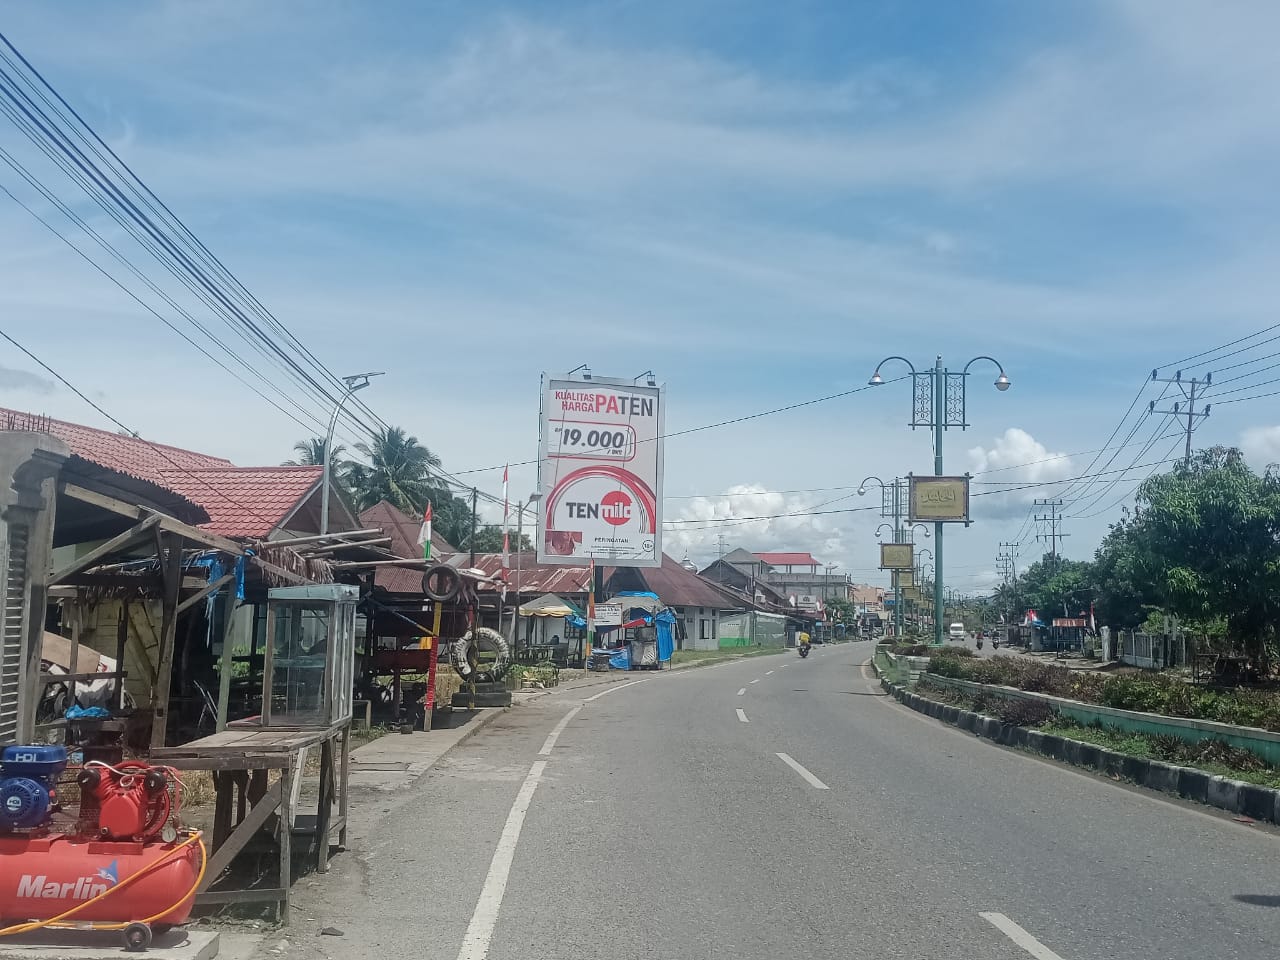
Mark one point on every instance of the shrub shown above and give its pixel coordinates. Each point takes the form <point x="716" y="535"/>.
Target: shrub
<point x="1023" y="713"/>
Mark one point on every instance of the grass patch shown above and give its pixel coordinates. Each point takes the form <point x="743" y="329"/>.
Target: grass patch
<point x="1212" y="756"/>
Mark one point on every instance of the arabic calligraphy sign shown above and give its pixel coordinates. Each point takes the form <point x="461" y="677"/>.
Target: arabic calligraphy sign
<point x="940" y="499"/>
<point x="896" y="556"/>
<point x="904" y="578"/>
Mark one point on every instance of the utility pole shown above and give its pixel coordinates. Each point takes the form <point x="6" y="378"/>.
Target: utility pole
<point x="1054" y="522"/>
<point x="1011" y="550"/>
<point x="1192" y="390"/>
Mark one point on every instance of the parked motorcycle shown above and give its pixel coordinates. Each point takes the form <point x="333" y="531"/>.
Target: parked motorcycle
<point x="804" y="651"/>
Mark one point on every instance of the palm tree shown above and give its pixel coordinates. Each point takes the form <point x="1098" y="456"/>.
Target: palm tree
<point x="399" y="471"/>
<point x="311" y="453"/>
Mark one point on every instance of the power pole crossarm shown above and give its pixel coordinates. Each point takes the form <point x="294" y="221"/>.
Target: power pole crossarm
<point x="1193" y="390"/>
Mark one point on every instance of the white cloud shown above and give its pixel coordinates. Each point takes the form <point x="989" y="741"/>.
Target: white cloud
<point x="24" y="381"/>
<point x="822" y="535"/>
<point x="1261" y="445"/>
<point x="1015" y="457"/>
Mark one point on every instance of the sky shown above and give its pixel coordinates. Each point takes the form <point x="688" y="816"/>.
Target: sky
<point x="757" y="202"/>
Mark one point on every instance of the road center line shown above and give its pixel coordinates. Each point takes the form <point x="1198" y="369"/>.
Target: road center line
<point x="629" y="683"/>
<point x="1019" y="936"/>
<point x="742" y="691"/>
<point x="756" y="680"/>
<point x="768" y="673"/>
<point x="809" y="777"/>
<point x="475" y="944"/>
<point x="742" y="716"/>
<point x="554" y="735"/>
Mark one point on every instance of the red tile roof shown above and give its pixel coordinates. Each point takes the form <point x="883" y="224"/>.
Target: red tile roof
<point x="244" y="502"/>
<point x="115" y="451"/>
<point x="403" y="531"/>
<point x="788" y="559"/>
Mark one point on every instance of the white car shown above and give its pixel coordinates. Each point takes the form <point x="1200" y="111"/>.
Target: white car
<point x="956" y="631"/>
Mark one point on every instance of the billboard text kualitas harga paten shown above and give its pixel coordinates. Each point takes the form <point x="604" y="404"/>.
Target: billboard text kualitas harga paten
<point x="600" y="472"/>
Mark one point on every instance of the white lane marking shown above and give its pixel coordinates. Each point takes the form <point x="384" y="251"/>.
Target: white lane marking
<point x="742" y="716"/>
<point x="809" y="777"/>
<point x="742" y="691"/>
<point x="629" y="683"/>
<point x="784" y="666"/>
<point x="475" y="944"/>
<point x="554" y="735"/>
<point x="768" y="673"/>
<point x="756" y="680"/>
<point x="1019" y="936"/>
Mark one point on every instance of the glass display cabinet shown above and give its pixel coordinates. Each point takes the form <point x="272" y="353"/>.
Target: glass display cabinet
<point x="309" y="662"/>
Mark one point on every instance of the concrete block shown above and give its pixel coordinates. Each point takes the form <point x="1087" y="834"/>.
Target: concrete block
<point x="1034" y="741"/>
<point x="178" y="944"/>
<point x="989" y="727"/>
<point x="1224" y="794"/>
<point x="1193" y="784"/>
<point x="967" y="720"/>
<point x="1017" y="736"/>
<point x="1134" y="768"/>
<point x="1071" y="751"/>
<point x="1089" y="755"/>
<point x="951" y="715"/>
<point x="1161" y="776"/>
<point x="1257" y="802"/>
<point x="1051" y="746"/>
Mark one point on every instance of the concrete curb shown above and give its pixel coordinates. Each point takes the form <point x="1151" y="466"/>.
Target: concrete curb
<point x="1234" y="796"/>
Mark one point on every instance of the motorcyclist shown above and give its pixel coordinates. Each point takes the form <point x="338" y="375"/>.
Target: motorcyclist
<point x="802" y="642"/>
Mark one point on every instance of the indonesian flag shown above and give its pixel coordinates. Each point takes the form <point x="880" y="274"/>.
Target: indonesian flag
<point x="1093" y="623"/>
<point x="506" y="529"/>
<point x="424" y="535"/>
<point x="591" y="600"/>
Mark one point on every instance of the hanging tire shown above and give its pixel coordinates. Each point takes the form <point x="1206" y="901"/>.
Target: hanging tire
<point x="441" y="582"/>
<point x="490" y="641"/>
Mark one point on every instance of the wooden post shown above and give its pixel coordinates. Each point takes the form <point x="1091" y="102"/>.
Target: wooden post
<point x="324" y="809"/>
<point x="122" y="639"/>
<point x="227" y="663"/>
<point x="286" y="837"/>
<point x="169" y="548"/>
<point x="344" y="777"/>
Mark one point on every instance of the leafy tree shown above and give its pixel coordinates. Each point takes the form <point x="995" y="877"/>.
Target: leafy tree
<point x="399" y="471"/>
<point x="841" y="610"/>
<point x="1048" y="584"/>
<point x="1207" y="543"/>
<point x="311" y="453"/>
<point x="489" y="540"/>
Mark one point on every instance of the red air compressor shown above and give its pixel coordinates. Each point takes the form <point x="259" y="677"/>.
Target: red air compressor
<point x="123" y="866"/>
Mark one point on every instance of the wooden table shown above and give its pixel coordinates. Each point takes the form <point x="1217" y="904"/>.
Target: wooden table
<point x="240" y="758"/>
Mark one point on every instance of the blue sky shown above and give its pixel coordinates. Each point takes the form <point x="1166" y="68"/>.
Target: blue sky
<point x="756" y="201"/>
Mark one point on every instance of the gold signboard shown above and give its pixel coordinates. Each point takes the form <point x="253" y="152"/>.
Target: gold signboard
<point x="940" y="499"/>
<point x="904" y="578"/>
<point x="896" y="556"/>
<point x="912" y="593"/>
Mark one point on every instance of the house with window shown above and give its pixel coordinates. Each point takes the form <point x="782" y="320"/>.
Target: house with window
<point x="804" y="577"/>
<point x="699" y="606"/>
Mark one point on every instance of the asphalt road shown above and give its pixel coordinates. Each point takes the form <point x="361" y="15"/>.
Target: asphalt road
<point x="661" y="822"/>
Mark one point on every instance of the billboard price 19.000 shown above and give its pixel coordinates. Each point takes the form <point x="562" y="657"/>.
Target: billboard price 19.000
<point x="600" y="473"/>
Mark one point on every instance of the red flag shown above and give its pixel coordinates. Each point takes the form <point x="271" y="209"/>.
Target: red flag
<point x="506" y="516"/>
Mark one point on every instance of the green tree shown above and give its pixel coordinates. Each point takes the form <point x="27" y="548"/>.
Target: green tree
<point x="311" y="453"/>
<point x="489" y="540"/>
<point x="398" y="471"/>
<point x="1207" y="539"/>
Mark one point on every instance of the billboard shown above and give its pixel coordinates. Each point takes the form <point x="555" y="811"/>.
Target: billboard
<point x="600" y="472"/>
<point x="939" y="499"/>
<point x="896" y="556"/>
<point x="904" y="578"/>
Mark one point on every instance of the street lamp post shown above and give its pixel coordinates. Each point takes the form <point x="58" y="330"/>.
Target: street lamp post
<point x="932" y="407"/>
<point x="894" y="510"/>
<point x="357" y="381"/>
<point x="515" y="620"/>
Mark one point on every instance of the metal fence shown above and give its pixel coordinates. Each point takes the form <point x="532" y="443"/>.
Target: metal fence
<point x="1155" y="651"/>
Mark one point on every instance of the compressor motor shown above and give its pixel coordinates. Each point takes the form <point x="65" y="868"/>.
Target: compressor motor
<point x="28" y="785"/>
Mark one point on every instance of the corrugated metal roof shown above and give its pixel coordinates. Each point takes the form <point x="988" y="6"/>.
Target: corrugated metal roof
<point x="534" y="577"/>
<point x="678" y="587"/>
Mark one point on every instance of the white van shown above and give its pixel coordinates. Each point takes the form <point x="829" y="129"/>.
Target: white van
<point x="956" y="631"/>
